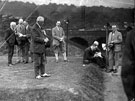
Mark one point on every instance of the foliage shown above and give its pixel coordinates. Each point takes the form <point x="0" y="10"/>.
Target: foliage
<point x="79" y="17"/>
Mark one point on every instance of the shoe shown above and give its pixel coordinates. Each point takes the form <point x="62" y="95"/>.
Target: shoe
<point x="83" y="65"/>
<point x="45" y="75"/>
<point x="65" y="60"/>
<point x="10" y="65"/>
<point x="38" y="77"/>
<point x="115" y="71"/>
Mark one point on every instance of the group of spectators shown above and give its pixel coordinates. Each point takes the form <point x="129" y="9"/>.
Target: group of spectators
<point x="117" y="57"/>
<point x="114" y="47"/>
<point x="34" y="40"/>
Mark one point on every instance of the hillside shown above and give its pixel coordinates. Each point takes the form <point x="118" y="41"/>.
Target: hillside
<point x="79" y="17"/>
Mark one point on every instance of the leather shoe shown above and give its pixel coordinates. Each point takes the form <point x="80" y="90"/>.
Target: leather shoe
<point x="45" y="75"/>
<point x="10" y="65"/>
<point x="38" y="77"/>
<point x="65" y="60"/>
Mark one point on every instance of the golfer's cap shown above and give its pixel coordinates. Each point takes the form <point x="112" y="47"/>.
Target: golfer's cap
<point x="40" y="18"/>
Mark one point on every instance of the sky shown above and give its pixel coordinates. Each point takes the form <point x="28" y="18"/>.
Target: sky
<point x="110" y="3"/>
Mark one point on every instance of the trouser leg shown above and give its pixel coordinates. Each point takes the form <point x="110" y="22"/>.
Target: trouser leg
<point x="64" y="55"/>
<point x="31" y="55"/>
<point x="111" y="59"/>
<point x="19" y="53"/>
<point x="10" y="54"/>
<point x="42" y="64"/>
<point x="117" y="59"/>
<point x="85" y="57"/>
<point x="63" y="50"/>
<point x="36" y="63"/>
<point x="26" y="53"/>
<point x="56" y="56"/>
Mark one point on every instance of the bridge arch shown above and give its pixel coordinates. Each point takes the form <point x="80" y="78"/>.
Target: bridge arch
<point x="80" y="41"/>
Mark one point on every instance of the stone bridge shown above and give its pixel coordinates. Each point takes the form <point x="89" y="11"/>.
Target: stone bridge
<point x="85" y="38"/>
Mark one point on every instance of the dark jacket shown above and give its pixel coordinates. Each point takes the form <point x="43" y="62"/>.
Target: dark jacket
<point x="89" y="53"/>
<point x="38" y="37"/>
<point x="128" y="65"/>
<point x="10" y="37"/>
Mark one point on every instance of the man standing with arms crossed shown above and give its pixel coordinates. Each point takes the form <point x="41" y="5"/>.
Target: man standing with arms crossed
<point x="59" y="41"/>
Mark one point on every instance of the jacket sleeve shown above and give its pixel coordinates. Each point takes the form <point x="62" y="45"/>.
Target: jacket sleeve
<point x="119" y="38"/>
<point x="7" y="35"/>
<point x="36" y="37"/>
<point x="54" y="35"/>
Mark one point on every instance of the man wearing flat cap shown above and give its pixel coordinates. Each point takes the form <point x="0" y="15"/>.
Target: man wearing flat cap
<point x="38" y="44"/>
<point x="59" y="41"/>
<point x="115" y="45"/>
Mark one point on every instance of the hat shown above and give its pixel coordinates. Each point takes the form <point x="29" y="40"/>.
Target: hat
<point x="114" y="26"/>
<point x="20" y="21"/>
<point x="40" y="18"/>
<point x="12" y="23"/>
<point x="95" y="43"/>
<point x="58" y="22"/>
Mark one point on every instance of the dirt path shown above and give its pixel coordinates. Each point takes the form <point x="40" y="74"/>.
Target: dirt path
<point x="114" y="88"/>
